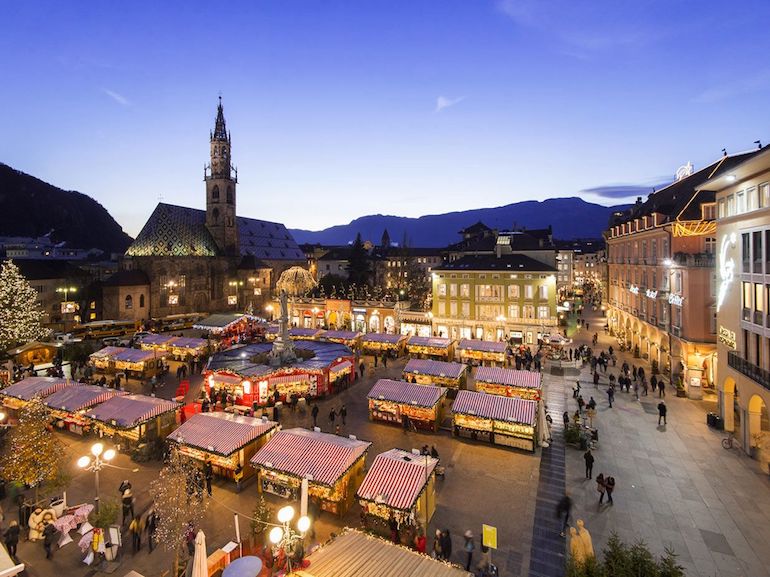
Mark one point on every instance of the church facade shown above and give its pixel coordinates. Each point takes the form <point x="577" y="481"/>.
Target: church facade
<point x="198" y="261"/>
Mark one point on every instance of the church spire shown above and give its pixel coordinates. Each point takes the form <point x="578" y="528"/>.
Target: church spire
<point x="220" y="130"/>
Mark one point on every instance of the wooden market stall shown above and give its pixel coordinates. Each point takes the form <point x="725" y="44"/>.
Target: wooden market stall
<point x="231" y="328"/>
<point x="391" y="401"/>
<point x="68" y="404"/>
<point x="153" y="342"/>
<point x="333" y="465"/>
<point x="138" y="363"/>
<point x="17" y="395"/>
<point x="379" y="343"/>
<point x="134" y="419"/>
<point x="426" y="372"/>
<point x="479" y="352"/>
<point x="430" y="348"/>
<point x="186" y="348"/>
<point x="228" y="440"/>
<point x="509" y="382"/>
<point x="34" y="353"/>
<point x="399" y="484"/>
<point x="499" y="420"/>
<point x="351" y="339"/>
<point x="358" y="554"/>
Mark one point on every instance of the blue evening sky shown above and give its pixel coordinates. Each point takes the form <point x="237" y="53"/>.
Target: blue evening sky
<point x="343" y="108"/>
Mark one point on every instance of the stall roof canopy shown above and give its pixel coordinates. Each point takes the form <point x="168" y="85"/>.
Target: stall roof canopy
<point x="510" y="377"/>
<point x="78" y="397"/>
<point x="128" y="411"/>
<point x="30" y="346"/>
<point x="434" y="342"/>
<point x="296" y="332"/>
<point x="396" y="478"/>
<point x="383" y="338"/>
<point x="406" y="393"/>
<point x="31" y="387"/>
<point x="356" y="554"/>
<point x="124" y="354"/>
<point x="222" y="321"/>
<point x="239" y="359"/>
<point x="344" y="335"/>
<point x="220" y="433"/>
<point x="301" y="452"/>
<point x="188" y="343"/>
<point x="511" y="409"/>
<point x="482" y="346"/>
<point x="435" y="368"/>
<point x="157" y="339"/>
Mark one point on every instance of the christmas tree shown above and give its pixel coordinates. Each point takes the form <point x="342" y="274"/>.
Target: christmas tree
<point x="260" y="518"/>
<point x="20" y="315"/>
<point x="32" y="454"/>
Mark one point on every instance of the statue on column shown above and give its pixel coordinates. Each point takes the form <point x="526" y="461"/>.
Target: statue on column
<point x="585" y="539"/>
<point x="576" y="550"/>
<point x="294" y="281"/>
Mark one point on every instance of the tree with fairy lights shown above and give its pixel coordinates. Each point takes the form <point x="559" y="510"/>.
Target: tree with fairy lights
<point x="32" y="454"/>
<point x="179" y="503"/>
<point x="20" y="315"/>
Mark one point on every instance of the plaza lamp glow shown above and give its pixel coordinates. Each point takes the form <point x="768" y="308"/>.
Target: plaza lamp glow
<point x="96" y="461"/>
<point x="286" y="538"/>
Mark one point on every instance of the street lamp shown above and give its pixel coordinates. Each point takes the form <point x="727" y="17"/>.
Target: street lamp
<point x="284" y="536"/>
<point x="100" y="459"/>
<point x="269" y="308"/>
<point x="3" y="424"/>
<point x="233" y="299"/>
<point x="66" y="290"/>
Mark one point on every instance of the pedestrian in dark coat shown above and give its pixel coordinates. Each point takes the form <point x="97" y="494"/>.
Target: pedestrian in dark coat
<point x="343" y="413"/>
<point x="361" y="368"/>
<point x="314" y="413"/>
<point x="208" y="474"/>
<point x="661" y="389"/>
<point x="589" y="459"/>
<point x="49" y="536"/>
<point x="152" y="526"/>
<point x="565" y="418"/>
<point x="611" y="395"/>
<point x="446" y="544"/>
<point x="596" y="380"/>
<point x="438" y="553"/>
<point x="634" y="371"/>
<point x="468" y="547"/>
<point x="332" y="416"/>
<point x="12" y="538"/>
<point x="609" y="484"/>
<point x="654" y="383"/>
<point x="600" y="486"/>
<point x="662" y="410"/>
<point x="563" y="510"/>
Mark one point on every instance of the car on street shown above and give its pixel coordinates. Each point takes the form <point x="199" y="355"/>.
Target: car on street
<point x="66" y="338"/>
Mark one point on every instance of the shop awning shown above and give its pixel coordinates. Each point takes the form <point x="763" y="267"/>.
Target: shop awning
<point x="511" y="409"/>
<point x="431" y="342"/>
<point x="133" y="355"/>
<point x="510" y="377"/>
<point x="31" y="387"/>
<point x="396" y="478"/>
<point x="78" y="397"/>
<point x="339" y="367"/>
<point x="406" y="393"/>
<point x="306" y="333"/>
<point x="301" y="453"/>
<point x="221" y="433"/>
<point x="220" y="322"/>
<point x="105" y="352"/>
<point x="482" y="346"/>
<point x="188" y="343"/>
<point x="341" y="335"/>
<point x="435" y="368"/>
<point x="129" y="411"/>
<point x="224" y="379"/>
<point x="382" y="338"/>
<point x="157" y="339"/>
<point x="287" y="379"/>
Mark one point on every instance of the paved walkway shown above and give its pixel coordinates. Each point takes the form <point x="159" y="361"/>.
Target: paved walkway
<point x="676" y="486"/>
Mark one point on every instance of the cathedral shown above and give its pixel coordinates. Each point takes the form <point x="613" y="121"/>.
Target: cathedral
<point x="187" y="260"/>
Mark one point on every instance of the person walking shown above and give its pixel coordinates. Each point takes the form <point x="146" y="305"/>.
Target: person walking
<point x="438" y="553"/>
<point x="581" y="403"/>
<point x="634" y="371"/>
<point x="420" y="542"/>
<point x="11" y="538"/>
<point x="609" y="485"/>
<point x="596" y="380"/>
<point x="49" y="536"/>
<point x="589" y="459"/>
<point x="662" y="410"/>
<point x="565" y="418"/>
<point x="385" y="360"/>
<point x="135" y="528"/>
<point x="661" y="389"/>
<point x="343" y="413"/>
<point x="332" y="416"/>
<point x="446" y="544"/>
<point x="468" y="547"/>
<point x="152" y="526"/>
<point x="654" y="383"/>
<point x="314" y="413"/>
<point x="361" y="368"/>
<point x="563" y="509"/>
<point x="208" y="474"/>
<point x="127" y="502"/>
<point x="600" y="487"/>
<point x="611" y="395"/>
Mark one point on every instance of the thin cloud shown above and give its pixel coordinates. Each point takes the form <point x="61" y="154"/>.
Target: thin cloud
<point x="117" y="97"/>
<point x="758" y="83"/>
<point x="625" y="190"/>
<point x="443" y="102"/>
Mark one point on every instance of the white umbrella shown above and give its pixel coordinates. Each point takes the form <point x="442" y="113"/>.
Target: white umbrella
<point x="542" y="425"/>
<point x="200" y="566"/>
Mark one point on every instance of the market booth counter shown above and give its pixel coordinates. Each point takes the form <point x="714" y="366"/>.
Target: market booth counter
<point x="430" y="347"/>
<point x="34" y="353"/>
<point x="399" y="484"/>
<point x="392" y="401"/>
<point x="379" y="343"/>
<point x="229" y="441"/>
<point x="19" y="394"/>
<point x="479" y="352"/>
<point x="333" y="465"/>
<point x="138" y="363"/>
<point x="357" y="554"/>
<point x="233" y="327"/>
<point x="509" y="382"/>
<point x="155" y="342"/>
<point x="68" y="405"/>
<point x="427" y="372"/>
<point x="350" y="339"/>
<point x="134" y="419"/>
<point x="499" y="420"/>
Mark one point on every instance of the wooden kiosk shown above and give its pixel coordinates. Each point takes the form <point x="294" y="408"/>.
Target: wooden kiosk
<point x="379" y="343"/>
<point x="67" y="405"/>
<point x="333" y="465"/>
<point x="134" y="418"/>
<point x="509" y="382"/>
<point x="390" y="401"/>
<point x="17" y="395"/>
<point x="499" y="420"/>
<point x="473" y="351"/>
<point x="427" y="372"/>
<point x="430" y="348"/>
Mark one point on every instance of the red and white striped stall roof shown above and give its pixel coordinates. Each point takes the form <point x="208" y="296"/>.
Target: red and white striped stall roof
<point x="511" y="409"/>
<point x="406" y="393"/>
<point x="79" y="397"/>
<point x="396" y="479"/>
<point x="483" y="346"/>
<point x="340" y="367"/>
<point x="300" y="452"/>
<point x="510" y="377"/>
<point x="383" y="338"/>
<point x="435" y="368"/>
<point x="434" y="342"/>
<point x="220" y="433"/>
<point x="130" y="410"/>
<point x="343" y="335"/>
<point x="31" y="387"/>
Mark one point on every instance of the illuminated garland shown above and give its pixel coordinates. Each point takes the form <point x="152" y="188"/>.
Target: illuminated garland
<point x="20" y="316"/>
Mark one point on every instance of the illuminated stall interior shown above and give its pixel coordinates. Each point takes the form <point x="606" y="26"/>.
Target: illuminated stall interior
<point x="390" y="401"/>
<point x="430" y="348"/>
<point x="509" y="382"/>
<point x="67" y="406"/>
<point x="499" y="420"/>
<point x="480" y="352"/>
<point x="17" y="395"/>
<point x="427" y="372"/>
<point x="379" y="343"/>
<point x="138" y="363"/>
<point x="350" y="339"/>
<point x="134" y="418"/>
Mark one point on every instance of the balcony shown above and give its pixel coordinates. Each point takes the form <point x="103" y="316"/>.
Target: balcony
<point x="676" y="331"/>
<point x="752" y="371"/>
<point x="698" y="260"/>
<point x="759" y="318"/>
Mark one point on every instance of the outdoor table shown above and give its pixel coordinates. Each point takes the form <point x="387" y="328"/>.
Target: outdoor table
<point x="248" y="566"/>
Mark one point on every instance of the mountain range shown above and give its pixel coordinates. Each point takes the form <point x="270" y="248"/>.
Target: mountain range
<point x="570" y="218"/>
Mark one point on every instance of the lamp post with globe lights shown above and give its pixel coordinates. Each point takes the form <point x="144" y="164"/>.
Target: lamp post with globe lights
<point x="96" y="461"/>
<point x="284" y="537"/>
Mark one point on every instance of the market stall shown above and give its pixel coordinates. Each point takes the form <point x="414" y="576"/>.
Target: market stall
<point x="68" y="404"/>
<point x="509" y="382"/>
<point x="358" y="554"/>
<point x="477" y="352"/>
<point x="34" y="353"/>
<point x="232" y="328"/>
<point x="399" y="484"/>
<point x="186" y="348"/>
<point x="392" y="401"/>
<point x="138" y="363"/>
<point x="17" y="395"/>
<point x="499" y="420"/>
<point x="426" y="372"/>
<point x="333" y="465"/>
<point x="160" y="343"/>
<point x="379" y="343"/>
<point x="430" y="348"/>
<point x="229" y="441"/>
<point x="134" y="419"/>
<point x="351" y="339"/>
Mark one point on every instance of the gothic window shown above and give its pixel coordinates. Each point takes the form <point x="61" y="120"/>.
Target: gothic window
<point x="229" y="195"/>
<point x="141" y="301"/>
<point x="215" y="214"/>
<point x="215" y="192"/>
<point x="129" y="302"/>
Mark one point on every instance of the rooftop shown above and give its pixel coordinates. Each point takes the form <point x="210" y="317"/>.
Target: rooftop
<point x="506" y="263"/>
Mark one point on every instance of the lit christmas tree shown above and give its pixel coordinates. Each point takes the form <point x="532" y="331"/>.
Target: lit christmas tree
<point x="179" y="502"/>
<point x="32" y="454"/>
<point x="20" y="316"/>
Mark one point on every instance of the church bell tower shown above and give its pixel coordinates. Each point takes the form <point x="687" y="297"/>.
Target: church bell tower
<point x="221" y="178"/>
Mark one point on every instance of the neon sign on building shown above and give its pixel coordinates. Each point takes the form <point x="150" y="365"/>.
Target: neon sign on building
<point x="726" y="268"/>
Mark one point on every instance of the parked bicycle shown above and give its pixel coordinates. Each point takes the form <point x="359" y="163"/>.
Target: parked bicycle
<point x="729" y="441"/>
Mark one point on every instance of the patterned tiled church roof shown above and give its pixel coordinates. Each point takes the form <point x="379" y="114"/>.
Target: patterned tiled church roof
<point x="180" y="231"/>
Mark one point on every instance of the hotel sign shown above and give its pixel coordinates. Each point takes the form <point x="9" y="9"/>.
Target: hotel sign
<point x="651" y="294"/>
<point x="726" y="337"/>
<point x="675" y="299"/>
<point x="726" y="268"/>
<point x="633" y="289"/>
